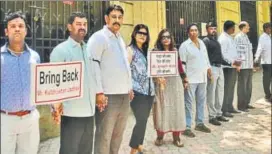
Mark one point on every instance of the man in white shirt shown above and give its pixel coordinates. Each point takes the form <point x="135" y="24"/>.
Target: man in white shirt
<point x="264" y="51"/>
<point x="230" y="55"/>
<point x="245" y="53"/>
<point x="108" y="55"/>
<point x="197" y="67"/>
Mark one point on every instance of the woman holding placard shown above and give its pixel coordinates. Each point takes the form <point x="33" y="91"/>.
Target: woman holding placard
<point x="143" y="85"/>
<point x="169" y="111"/>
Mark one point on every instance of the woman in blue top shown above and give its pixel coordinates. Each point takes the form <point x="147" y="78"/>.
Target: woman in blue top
<point x="143" y="85"/>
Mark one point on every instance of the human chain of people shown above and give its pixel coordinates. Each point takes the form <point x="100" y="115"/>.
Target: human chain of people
<point x="91" y="86"/>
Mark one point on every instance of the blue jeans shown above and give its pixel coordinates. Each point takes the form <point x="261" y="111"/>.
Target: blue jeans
<point x="196" y="92"/>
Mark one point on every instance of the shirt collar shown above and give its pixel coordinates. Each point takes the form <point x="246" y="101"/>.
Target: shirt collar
<point x="190" y="41"/>
<point x="5" y="48"/>
<point x="267" y="34"/>
<point x="75" y="43"/>
<point x="110" y="33"/>
<point x="243" y="34"/>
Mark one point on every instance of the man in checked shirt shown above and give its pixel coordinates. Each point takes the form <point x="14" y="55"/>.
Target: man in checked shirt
<point x="245" y="53"/>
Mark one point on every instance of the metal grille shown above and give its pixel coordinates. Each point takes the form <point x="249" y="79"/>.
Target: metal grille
<point x="47" y="21"/>
<point x="192" y="12"/>
<point x="248" y="13"/>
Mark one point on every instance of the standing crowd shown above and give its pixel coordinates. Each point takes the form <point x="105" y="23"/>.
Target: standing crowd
<point x="116" y="79"/>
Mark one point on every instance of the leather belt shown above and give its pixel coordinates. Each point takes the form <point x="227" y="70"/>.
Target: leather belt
<point x="19" y="113"/>
<point x="216" y="65"/>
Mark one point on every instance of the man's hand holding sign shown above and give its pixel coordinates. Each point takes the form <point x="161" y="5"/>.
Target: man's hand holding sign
<point x="53" y="83"/>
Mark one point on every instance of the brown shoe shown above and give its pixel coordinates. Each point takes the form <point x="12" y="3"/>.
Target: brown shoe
<point x="159" y="141"/>
<point x="177" y="142"/>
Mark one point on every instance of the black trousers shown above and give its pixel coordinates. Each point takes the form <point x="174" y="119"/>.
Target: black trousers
<point x="141" y="106"/>
<point x="267" y="79"/>
<point x="244" y="88"/>
<point x="230" y="75"/>
<point x="77" y="135"/>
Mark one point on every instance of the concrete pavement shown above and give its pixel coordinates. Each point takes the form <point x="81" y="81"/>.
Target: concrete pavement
<point x="246" y="133"/>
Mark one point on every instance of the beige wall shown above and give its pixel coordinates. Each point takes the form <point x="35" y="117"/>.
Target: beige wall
<point x="263" y="14"/>
<point x="227" y="11"/>
<point x="151" y="13"/>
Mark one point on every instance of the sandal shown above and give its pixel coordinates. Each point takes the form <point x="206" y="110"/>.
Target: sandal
<point x="159" y="142"/>
<point x="178" y="143"/>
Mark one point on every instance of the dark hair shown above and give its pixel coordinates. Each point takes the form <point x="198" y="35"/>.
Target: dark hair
<point x="72" y="17"/>
<point x="266" y="25"/>
<point x="133" y="40"/>
<point x="13" y="15"/>
<point x="159" y="45"/>
<point x="228" y="24"/>
<point x="189" y="27"/>
<point x="114" y="7"/>
<point x="242" y="25"/>
<point x="210" y="24"/>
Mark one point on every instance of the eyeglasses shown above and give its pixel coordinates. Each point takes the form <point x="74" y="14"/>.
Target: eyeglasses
<point x="166" y="37"/>
<point x="142" y="33"/>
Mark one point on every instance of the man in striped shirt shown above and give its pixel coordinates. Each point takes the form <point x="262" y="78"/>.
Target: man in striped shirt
<point x="245" y="53"/>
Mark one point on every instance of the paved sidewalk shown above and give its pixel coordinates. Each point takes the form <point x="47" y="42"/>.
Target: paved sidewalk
<point x="246" y="133"/>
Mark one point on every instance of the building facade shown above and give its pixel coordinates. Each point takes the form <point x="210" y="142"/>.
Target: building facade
<point x="47" y="24"/>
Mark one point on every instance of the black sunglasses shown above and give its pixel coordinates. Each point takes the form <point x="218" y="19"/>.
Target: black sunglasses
<point x="141" y="33"/>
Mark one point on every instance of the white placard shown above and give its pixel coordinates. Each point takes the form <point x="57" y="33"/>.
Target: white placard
<point x="56" y="82"/>
<point x="162" y="63"/>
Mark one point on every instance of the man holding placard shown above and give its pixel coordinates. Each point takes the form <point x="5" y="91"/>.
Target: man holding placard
<point x="76" y="116"/>
<point x="19" y="119"/>
<point x="197" y="67"/>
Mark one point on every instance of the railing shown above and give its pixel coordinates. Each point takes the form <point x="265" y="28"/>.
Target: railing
<point x="180" y="14"/>
<point x="47" y="21"/>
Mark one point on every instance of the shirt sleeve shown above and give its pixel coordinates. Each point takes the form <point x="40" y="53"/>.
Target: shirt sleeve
<point x="259" y="49"/>
<point x="183" y="56"/>
<point x="206" y="42"/>
<point x="224" y="48"/>
<point x="95" y="51"/>
<point x="57" y="55"/>
<point x="206" y="56"/>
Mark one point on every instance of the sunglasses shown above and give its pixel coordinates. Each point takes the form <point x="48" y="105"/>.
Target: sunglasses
<point x="166" y="37"/>
<point x="142" y="33"/>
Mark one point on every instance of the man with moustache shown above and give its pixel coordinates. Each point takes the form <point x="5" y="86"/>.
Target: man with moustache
<point x="76" y="116"/>
<point x="113" y="78"/>
<point x="197" y="67"/>
<point x="245" y="53"/>
<point x="215" y="88"/>
<point x="230" y="55"/>
<point x="19" y="119"/>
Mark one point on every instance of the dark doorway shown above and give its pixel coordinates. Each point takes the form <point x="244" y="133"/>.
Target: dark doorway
<point x="179" y="14"/>
<point x="248" y="13"/>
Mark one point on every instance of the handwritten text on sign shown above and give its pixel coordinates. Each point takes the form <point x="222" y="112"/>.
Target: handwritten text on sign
<point x="162" y="63"/>
<point x="56" y="82"/>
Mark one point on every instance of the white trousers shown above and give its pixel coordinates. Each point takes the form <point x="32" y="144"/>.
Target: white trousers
<point x="20" y="135"/>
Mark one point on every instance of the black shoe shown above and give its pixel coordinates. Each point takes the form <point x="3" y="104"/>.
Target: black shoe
<point x="221" y="118"/>
<point x="189" y="133"/>
<point x="202" y="128"/>
<point x="214" y="122"/>
<point x="245" y="110"/>
<point x="235" y="111"/>
<point x="227" y="114"/>
<point x="268" y="98"/>
<point x="250" y="107"/>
